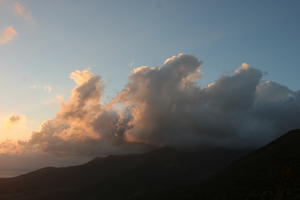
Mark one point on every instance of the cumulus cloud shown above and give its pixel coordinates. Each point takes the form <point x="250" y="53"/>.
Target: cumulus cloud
<point x="165" y="106"/>
<point x="8" y="34"/>
<point x="84" y="125"/>
<point x="22" y="11"/>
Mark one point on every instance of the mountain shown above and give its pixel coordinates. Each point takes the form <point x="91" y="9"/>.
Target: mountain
<point x="135" y="176"/>
<point x="271" y="172"/>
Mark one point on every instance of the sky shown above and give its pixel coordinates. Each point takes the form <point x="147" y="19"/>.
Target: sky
<point x="43" y="42"/>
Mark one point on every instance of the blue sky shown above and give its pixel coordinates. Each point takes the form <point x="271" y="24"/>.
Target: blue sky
<point x="113" y="37"/>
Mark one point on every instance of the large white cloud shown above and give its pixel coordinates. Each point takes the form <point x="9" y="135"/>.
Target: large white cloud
<point x="164" y="106"/>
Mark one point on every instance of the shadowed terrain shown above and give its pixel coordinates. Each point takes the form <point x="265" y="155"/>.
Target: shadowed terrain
<point x="271" y="172"/>
<point x="120" y="177"/>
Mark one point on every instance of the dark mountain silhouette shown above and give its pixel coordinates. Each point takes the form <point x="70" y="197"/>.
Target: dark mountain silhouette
<point x="271" y="172"/>
<point x="132" y="176"/>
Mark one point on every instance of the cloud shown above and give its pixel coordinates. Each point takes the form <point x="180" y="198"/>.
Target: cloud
<point x="12" y="147"/>
<point x="13" y="120"/>
<point x="84" y="125"/>
<point x="165" y="106"/>
<point x="46" y="88"/>
<point x="14" y="127"/>
<point x="8" y="34"/>
<point x="22" y="11"/>
<point x="58" y="99"/>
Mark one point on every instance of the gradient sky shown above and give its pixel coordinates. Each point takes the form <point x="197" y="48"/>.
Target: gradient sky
<point x="54" y="38"/>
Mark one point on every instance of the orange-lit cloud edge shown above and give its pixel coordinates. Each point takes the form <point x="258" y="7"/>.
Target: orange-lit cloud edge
<point x="8" y="34"/>
<point x="165" y="106"/>
<point x="22" y="11"/>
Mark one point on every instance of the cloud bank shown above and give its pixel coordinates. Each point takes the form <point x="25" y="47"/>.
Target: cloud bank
<point x="165" y="106"/>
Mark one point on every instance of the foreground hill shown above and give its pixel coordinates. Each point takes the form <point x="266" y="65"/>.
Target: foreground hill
<point x="272" y="172"/>
<point x="136" y="176"/>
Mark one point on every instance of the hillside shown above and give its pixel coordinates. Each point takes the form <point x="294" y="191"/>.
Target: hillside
<point x="133" y="176"/>
<point x="272" y="172"/>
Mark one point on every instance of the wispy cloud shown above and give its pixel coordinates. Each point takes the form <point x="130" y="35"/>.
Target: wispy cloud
<point x="22" y="11"/>
<point x="58" y="99"/>
<point x="8" y="34"/>
<point x="46" y="88"/>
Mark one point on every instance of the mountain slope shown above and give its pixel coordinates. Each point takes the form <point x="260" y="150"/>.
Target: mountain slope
<point x="272" y="172"/>
<point x="133" y="176"/>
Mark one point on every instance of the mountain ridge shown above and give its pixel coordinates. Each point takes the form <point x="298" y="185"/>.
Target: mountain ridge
<point x="164" y="168"/>
<point x="270" y="172"/>
<point x="273" y="171"/>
